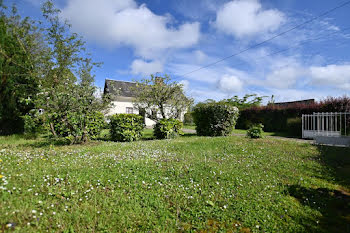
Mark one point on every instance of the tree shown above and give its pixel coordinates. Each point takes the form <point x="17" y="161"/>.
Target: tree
<point x="249" y="100"/>
<point x="21" y="53"/>
<point x="160" y="98"/>
<point x="68" y="93"/>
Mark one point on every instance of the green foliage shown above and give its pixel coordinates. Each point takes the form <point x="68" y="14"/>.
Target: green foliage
<point x="160" y="98"/>
<point x="95" y="124"/>
<point x="68" y="91"/>
<point x="209" y="184"/>
<point x="126" y="127"/>
<point x="249" y="100"/>
<point x="20" y="56"/>
<point x="33" y="124"/>
<point x="71" y="127"/>
<point x="214" y="119"/>
<point x="188" y="118"/>
<point x="168" y="128"/>
<point x="255" y="131"/>
<point x="294" y="126"/>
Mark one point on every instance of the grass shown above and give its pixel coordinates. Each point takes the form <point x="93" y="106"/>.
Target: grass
<point x="187" y="184"/>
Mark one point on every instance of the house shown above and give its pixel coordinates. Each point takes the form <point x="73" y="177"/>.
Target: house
<point x="122" y="95"/>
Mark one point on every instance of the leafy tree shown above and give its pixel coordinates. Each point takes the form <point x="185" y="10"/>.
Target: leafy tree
<point x="160" y="98"/>
<point x="68" y="92"/>
<point x="249" y="100"/>
<point x="21" y="53"/>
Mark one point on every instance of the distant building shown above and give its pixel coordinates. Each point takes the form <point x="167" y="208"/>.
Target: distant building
<point x="304" y="102"/>
<point x="122" y="94"/>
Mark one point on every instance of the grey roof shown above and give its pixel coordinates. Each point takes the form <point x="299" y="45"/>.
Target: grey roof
<point x="119" y="88"/>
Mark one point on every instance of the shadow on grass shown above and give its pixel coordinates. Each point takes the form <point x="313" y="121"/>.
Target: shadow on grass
<point x="337" y="160"/>
<point x="334" y="205"/>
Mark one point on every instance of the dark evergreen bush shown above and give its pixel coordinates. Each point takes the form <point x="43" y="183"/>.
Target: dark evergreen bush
<point x="126" y="127"/>
<point x="214" y="119"/>
<point x="168" y="128"/>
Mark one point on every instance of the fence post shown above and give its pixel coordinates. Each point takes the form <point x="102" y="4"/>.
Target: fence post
<point x="302" y="125"/>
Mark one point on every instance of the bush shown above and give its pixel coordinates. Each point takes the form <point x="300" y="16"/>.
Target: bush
<point x="126" y="127"/>
<point x="294" y="127"/>
<point x="96" y="122"/>
<point x="33" y="124"/>
<point x="255" y="131"/>
<point x="168" y="128"/>
<point x="71" y="129"/>
<point x="214" y="119"/>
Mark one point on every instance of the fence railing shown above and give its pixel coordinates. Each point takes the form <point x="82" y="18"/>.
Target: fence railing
<point x="329" y="124"/>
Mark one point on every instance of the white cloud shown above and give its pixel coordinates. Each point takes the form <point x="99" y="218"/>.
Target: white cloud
<point x="332" y="75"/>
<point x="285" y="77"/>
<point x="246" y="18"/>
<point x="230" y="83"/>
<point x="146" y="68"/>
<point x="185" y="84"/>
<point x="123" y="22"/>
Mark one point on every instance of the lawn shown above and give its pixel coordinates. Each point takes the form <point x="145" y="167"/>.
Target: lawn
<point x="186" y="184"/>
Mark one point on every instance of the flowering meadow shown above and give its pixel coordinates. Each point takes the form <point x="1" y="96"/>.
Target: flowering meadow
<point x="189" y="184"/>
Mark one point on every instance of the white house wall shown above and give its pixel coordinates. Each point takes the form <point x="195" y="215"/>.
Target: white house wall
<point x="121" y="103"/>
<point x="120" y="107"/>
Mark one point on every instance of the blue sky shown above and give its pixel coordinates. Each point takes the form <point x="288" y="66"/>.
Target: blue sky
<point x="135" y="38"/>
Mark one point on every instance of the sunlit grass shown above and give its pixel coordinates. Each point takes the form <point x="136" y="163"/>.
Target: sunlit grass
<point x="187" y="184"/>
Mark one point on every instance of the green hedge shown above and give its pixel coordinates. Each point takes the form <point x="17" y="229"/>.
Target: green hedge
<point x="214" y="119"/>
<point x="126" y="127"/>
<point x="275" y="118"/>
<point x="96" y="122"/>
<point x="294" y="127"/>
<point x="168" y="128"/>
<point x="71" y="126"/>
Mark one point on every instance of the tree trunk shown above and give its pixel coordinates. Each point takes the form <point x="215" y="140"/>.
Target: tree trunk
<point x="161" y="107"/>
<point x="53" y="130"/>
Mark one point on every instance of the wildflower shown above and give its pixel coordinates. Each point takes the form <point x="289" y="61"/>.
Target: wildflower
<point x="54" y="213"/>
<point x="33" y="211"/>
<point x="1" y="176"/>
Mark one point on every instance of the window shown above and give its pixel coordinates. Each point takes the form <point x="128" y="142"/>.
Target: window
<point x="129" y="110"/>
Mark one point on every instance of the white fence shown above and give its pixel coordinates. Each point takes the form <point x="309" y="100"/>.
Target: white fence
<point x="325" y="124"/>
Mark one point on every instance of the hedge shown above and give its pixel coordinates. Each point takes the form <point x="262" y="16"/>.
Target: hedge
<point x="214" y="119"/>
<point x="168" y="128"/>
<point x="275" y="118"/>
<point x="126" y="127"/>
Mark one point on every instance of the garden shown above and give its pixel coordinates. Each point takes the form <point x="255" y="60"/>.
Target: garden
<point x="67" y="165"/>
<point x="186" y="184"/>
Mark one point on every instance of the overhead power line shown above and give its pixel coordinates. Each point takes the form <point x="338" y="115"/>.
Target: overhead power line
<point x="299" y="44"/>
<point x="271" y="38"/>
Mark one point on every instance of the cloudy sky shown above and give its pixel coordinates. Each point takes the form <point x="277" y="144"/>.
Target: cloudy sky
<point x="135" y="38"/>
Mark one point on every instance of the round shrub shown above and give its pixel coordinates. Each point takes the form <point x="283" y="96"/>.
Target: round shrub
<point x="168" y="128"/>
<point x="215" y="119"/>
<point x="126" y="127"/>
<point x="255" y="131"/>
